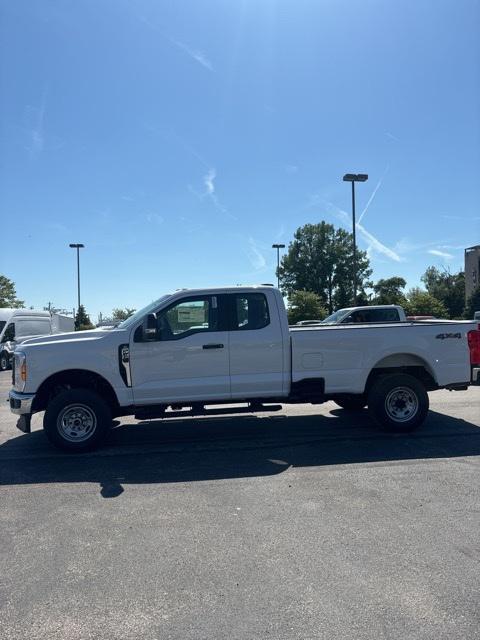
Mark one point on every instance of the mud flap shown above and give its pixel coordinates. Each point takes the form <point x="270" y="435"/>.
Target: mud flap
<point x="23" y="423"/>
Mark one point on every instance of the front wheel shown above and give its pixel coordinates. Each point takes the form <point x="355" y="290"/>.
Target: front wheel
<point x="77" y="420"/>
<point x="398" y="402"/>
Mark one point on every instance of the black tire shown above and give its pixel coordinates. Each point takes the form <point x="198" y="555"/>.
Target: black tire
<point x="4" y="361"/>
<point x="351" y="402"/>
<point x="77" y="411"/>
<point x="398" y="402"/>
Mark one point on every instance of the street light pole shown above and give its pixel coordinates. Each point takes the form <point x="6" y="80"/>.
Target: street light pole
<point x="78" y="246"/>
<point x="354" y="228"/>
<point x="278" y="247"/>
<point x="354" y="177"/>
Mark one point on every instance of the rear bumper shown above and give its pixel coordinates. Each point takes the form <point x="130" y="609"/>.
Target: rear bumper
<point x="21" y="403"/>
<point x="476" y="375"/>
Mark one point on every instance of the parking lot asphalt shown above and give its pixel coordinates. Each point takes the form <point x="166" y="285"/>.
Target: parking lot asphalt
<point x="306" y="523"/>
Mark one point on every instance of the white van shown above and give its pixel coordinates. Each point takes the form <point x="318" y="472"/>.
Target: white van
<point x="17" y="325"/>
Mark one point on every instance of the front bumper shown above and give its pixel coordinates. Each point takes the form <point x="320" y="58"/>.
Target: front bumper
<point x="20" y="403"/>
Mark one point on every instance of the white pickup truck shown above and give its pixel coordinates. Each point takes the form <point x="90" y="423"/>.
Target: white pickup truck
<point x="194" y="349"/>
<point x="371" y="313"/>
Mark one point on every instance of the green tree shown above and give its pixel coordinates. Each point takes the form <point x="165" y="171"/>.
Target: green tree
<point x="8" y="295"/>
<point x="122" y="314"/>
<point x="473" y="304"/>
<point x="422" y="303"/>
<point x="305" y="305"/>
<point x="319" y="259"/>
<point x="82" y="320"/>
<point x="390" y="291"/>
<point x="447" y="287"/>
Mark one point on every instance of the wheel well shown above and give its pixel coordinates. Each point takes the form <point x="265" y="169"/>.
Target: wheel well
<point x="74" y="379"/>
<point x="419" y="371"/>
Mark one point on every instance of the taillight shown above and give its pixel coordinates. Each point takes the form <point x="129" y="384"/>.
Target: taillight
<point x="474" y="346"/>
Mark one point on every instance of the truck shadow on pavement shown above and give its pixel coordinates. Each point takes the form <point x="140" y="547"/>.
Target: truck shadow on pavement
<point x="209" y="449"/>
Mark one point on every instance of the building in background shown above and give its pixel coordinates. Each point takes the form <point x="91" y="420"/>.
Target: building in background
<point x="472" y="269"/>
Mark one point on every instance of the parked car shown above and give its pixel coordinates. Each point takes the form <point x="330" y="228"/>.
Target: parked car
<point x="197" y="348"/>
<point x="17" y="325"/>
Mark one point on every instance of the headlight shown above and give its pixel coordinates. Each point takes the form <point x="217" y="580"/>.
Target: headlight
<point x="20" y="370"/>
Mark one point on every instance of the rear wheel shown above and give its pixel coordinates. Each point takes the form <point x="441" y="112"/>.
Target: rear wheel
<point x="398" y="402"/>
<point x="77" y="420"/>
<point x="351" y="402"/>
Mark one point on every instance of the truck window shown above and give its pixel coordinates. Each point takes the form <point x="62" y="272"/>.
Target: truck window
<point x="9" y="333"/>
<point x="2" y="324"/>
<point x="358" y="316"/>
<point x="192" y="315"/>
<point x="373" y="315"/>
<point x="385" y="315"/>
<point x="250" y="312"/>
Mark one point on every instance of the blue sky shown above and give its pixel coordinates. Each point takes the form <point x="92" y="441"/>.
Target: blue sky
<point x="179" y="140"/>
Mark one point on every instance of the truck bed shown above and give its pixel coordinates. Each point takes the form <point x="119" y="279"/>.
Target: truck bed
<point x="349" y="352"/>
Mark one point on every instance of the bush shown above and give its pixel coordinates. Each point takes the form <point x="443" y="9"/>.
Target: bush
<point x="473" y="304"/>
<point x="305" y="305"/>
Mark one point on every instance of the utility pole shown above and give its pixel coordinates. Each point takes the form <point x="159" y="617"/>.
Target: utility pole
<point x="278" y="247"/>
<point x="78" y="246"/>
<point x="354" y="177"/>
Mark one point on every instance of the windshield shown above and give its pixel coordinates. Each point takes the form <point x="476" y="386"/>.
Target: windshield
<point x="335" y="317"/>
<point x="141" y="313"/>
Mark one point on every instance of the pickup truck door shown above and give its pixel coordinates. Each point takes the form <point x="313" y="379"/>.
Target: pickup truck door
<point x="256" y="346"/>
<point x="188" y="360"/>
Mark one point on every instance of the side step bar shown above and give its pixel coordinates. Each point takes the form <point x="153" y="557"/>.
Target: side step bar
<point x="150" y="413"/>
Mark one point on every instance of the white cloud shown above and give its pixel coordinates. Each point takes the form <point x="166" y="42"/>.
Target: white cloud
<point x="373" y="243"/>
<point x="155" y="218"/>
<point x="208" y="182"/>
<point x="391" y="136"/>
<point x="36" y="132"/>
<point x="291" y="168"/>
<point x="281" y="232"/>
<point x="256" y="257"/>
<point x="195" y="54"/>
<point x="442" y="254"/>
<point x="374" y="193"/>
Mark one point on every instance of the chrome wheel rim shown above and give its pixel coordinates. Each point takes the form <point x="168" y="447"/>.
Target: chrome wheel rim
<point x="3" y="363"/>
<point x="76" y="423"/>
<point x="401" y="404"/>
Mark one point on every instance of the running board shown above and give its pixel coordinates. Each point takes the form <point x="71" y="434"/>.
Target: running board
<point x="156" y="412"/>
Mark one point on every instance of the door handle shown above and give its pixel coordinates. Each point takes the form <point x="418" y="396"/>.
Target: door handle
<point x="212" y="346"/>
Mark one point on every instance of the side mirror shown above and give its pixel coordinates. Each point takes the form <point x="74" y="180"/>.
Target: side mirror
<point x="150" y="327"/>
